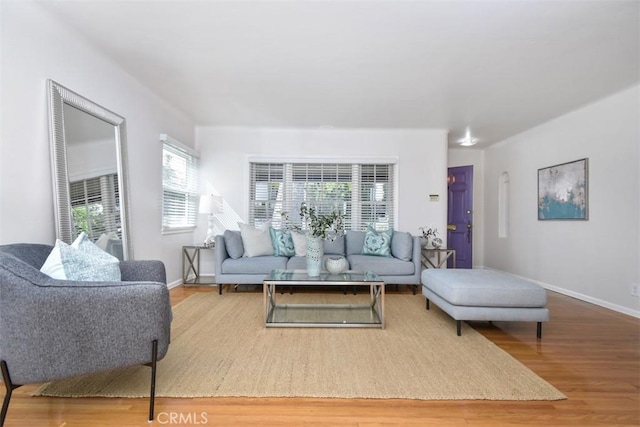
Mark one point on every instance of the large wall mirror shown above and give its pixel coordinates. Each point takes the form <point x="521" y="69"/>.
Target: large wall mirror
<point x="88" y="151"/>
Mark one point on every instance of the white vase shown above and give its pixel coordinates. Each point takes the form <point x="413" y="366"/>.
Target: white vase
<point x="315" y="251"/>
<point x="335" y="265"/>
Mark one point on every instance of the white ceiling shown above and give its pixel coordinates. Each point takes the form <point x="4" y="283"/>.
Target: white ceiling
<point x="498" y="67"/>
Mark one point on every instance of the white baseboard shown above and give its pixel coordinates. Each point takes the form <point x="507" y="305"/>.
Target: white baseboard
<point x="174" y="284"/>
<point x="577" y="295"/>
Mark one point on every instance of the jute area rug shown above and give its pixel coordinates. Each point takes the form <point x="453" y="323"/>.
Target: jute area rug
<point x="220" y="347"/>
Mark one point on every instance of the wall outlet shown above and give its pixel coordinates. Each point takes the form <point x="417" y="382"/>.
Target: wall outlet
<point x="634" y="289"/>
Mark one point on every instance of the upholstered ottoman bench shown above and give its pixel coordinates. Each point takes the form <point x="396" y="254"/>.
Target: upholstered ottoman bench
<point x="485" y="295"/>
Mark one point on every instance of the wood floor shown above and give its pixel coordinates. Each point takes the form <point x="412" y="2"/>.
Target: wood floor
<point x="589" y="353"/>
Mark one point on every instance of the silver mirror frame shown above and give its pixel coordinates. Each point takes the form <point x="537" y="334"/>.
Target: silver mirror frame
<point x="58" y="97"/>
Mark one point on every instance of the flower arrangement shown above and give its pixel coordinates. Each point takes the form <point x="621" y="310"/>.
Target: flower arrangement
<point x="430" y="236"/>
<point x="318" y="225"/>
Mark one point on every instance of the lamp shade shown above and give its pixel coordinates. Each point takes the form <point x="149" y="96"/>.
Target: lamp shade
<point x="211" y="204"/>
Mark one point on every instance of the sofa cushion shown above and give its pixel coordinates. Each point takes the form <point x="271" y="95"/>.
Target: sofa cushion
<point x="233" y="243"/>
<point x="382" y="266"/>
<point x="256" y="240"/>
<point x="377" y="242"/>
<point x="402" y="245"/>
<point x="335" y="246"/>
<point x="300" y="262"/>
<point x="81" y="261"/>
<point x="282" y="242"/>
<point x="254" y="265"/>
<point x="483" y="288"/>
<point x="299" y="243"/>
<point x="355" y="242"/>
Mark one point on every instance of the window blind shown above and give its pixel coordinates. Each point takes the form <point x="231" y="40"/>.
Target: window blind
<point x="363" y="193"/>
<point x="94" y="206"/>
<point x="179" y="187"/>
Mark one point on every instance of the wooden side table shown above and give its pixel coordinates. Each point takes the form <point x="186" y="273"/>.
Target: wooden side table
<point x="442" y="255"/>
<point x="191" y="264"/>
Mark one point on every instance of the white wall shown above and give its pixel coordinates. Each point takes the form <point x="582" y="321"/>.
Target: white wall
<point x="36" y="47"/>
<point x="595" y="260"/>
<point x="421" y="156"/>
<point x="475" y="158"/>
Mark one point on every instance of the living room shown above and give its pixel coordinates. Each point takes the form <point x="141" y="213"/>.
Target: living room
<point x="594" y="261"/>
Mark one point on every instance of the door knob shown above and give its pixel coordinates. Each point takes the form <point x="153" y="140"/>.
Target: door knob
<point x="451" y="227"/>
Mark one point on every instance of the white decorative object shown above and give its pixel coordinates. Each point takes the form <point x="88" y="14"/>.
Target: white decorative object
<point x="436" y="243"/>
<point x="315" y="251"/>
<point x="210" y="204"/>
<point x="335" y="265"/>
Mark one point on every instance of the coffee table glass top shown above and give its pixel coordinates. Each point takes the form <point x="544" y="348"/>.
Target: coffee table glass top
<point x="348" y="277"/>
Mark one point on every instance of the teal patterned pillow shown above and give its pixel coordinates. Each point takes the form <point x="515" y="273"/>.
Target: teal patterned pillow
<point x="377" y="242"/>
<point x="81" y="261"/>
<point x="282" y="242"/>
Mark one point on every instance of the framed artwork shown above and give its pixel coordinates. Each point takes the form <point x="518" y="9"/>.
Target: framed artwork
<point x="563" y="191"/>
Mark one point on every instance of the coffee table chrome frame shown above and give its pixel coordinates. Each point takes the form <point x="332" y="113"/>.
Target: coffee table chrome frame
<point x="376" y="303"/>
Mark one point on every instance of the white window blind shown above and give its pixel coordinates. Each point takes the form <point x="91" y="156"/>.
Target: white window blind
<point x="363" y="193"/>
<point x="94" y="206"/>
<point x="179" y="186"/>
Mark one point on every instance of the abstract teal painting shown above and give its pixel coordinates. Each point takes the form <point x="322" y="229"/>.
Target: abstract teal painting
<point x="563" y="191"/>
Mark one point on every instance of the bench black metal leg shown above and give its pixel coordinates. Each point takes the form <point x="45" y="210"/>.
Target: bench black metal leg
<point x="427" y="304"/>
<point x="459" y="327"/>
<point x="539" y="331"/>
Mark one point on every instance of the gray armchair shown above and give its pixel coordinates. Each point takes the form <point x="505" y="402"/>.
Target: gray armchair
<point x="52" y="329"/>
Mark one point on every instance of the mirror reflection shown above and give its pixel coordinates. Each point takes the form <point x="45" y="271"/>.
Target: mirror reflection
<point x="93" y="179"/>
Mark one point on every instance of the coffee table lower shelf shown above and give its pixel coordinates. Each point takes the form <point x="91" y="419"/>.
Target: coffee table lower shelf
<point x="323" y="315"/>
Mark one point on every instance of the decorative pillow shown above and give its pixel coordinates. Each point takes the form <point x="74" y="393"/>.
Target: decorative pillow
<point x="402" y="245"/>
<point x="81" y="261"/>
<point x="355" y="242"/>
<point x="299" y="243"/>
<point x="256" y="240"/>
<point x="282" y="242"/>
<point x="377" y="242"/>
<point x="335" y="246"/>
<point x="233" y="243"/>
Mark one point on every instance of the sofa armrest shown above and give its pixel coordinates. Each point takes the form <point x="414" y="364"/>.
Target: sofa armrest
<point x="221" y="254"/>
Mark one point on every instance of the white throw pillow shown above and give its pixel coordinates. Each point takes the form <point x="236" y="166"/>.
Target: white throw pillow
<point x="81" y="261"/>
<point x="256" y="240"/>
<point x="299" y="243"/>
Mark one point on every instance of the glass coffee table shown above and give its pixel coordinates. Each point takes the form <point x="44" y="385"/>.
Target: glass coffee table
<point x="319" y="310"/>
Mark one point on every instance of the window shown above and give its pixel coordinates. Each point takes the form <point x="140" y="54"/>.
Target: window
<point x="179" y="186"/>
<point x="364" y="193"/>
<point x="94" y="206"/>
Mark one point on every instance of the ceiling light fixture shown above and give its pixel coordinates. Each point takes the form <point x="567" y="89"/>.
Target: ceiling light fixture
<point x="467" y="141"/>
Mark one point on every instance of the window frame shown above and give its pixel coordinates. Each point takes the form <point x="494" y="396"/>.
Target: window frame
<point x="188" y="220"/>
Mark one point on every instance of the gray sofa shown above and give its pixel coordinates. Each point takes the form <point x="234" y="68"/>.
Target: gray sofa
<point x="402" y="268"/>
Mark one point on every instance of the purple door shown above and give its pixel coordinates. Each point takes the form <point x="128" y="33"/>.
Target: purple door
<point x="460" y="215"/>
